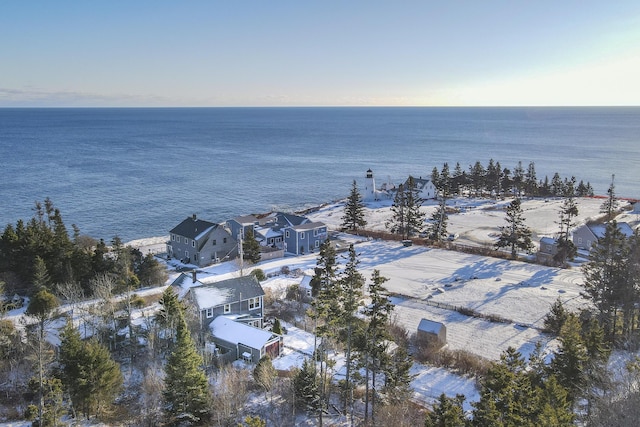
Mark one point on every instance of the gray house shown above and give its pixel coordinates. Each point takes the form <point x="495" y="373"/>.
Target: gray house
<point x="586" y="235"/>
<point x="240" y="298"/>
<point x="433" y="331"/>
<point x="548" y="249"/>
<point x="239" y="226"/>
<point x="199" y="242"/>
<point x="299" y="234"/>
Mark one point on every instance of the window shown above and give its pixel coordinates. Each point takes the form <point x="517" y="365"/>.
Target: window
<point x="302" y="235"/>
<point x="186" y="254"/>
<point x="209" y="313"/>
<point x="186" y="241"/>
<point x="214" y="242"/>
<point x="193" y="243"/>
<point x="286" y="234"/>
<point x="315" y="232"/>
<point x="254" y="303"/>
<point x="579" y="240"/>
<point x="317" y="243"/>
<point x="224" y="240"/>
<point x="173" y="237"/>
<point x="227" y="308"/>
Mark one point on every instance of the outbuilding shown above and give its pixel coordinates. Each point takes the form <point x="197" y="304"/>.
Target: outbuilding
<point x="433" y="331"/>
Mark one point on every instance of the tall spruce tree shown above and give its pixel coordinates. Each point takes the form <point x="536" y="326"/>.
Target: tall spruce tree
<point x="568" y="212"/>
<point x="414" y="215"/>
<point x="610" y="204"/>
<point x="186" y="395"/>
<point x="351" y="284"/>
<point x="606" y="275"/>
<point x="569" y="361"/>
<point x="354" y="216"/>
<point x="251" y="248"/>
<point x="437" y="228"/>
<point x="90" y="376"/>
<point x="397" y="224"/>
<point x="448" y="412"/>
<point x="515" y="235"/>
<point x="374" y="352"/>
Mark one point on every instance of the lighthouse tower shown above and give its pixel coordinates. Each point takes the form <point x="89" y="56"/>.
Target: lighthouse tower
<point x="369" y="187"/>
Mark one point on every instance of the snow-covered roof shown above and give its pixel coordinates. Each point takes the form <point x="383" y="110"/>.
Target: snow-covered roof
<point x="234" y="332"/>
<point x="548" y="241"/>
<point x="267" y="232"/>
<point x="245" y="220"/>
<point x="430" y="326"/>
<point x="226" y="292"/>
<point x="309" y="226"/>
<point x="183" y="283"/>
<point x="599" y="230"/>
<point x="306" y="282"/>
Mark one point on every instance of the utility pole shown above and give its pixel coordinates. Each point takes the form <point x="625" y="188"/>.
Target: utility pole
<point x="240" y="252"/>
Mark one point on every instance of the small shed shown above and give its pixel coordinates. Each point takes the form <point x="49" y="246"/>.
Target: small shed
<point x="433" y="331"/>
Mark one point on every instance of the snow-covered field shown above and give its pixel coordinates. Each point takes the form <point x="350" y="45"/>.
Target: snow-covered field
<point x="420" y="278"/>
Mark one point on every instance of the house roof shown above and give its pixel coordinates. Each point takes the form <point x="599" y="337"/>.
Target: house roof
<point x="245" y="220"/>
<point x="548" y="241"/>
<point x="289" y="220"/>
<point x="309" y="226"/>
<point x="226" y="292"/>
<point x="192" y="227"/>
<point x="430" y="326"/>
<point x="419" y="182"/>
<point x="306" y="281"/>
<point x="267" y="232"/>
<point x="599" y="230"/>
<point x="184" y="282"/>
<point x="234" y="332"/>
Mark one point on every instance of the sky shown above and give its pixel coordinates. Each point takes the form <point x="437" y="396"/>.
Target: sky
<point x="319" y="53"/>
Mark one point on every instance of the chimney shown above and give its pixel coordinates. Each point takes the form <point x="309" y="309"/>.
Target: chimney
<point x="193" y="276"/>
<point x="194" y="217"/>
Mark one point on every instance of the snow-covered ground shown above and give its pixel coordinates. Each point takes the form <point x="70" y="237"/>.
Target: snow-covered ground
<point x="420" y="278"/>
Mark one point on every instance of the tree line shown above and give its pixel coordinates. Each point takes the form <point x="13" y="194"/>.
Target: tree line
<point x="41" y="253"/>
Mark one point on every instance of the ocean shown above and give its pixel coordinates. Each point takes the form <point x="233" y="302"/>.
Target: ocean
<point x="138" y="172"/>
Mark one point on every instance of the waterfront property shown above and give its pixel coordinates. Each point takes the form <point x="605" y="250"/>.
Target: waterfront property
<point x="199" y="242"/>
<point x="586" y="235"/>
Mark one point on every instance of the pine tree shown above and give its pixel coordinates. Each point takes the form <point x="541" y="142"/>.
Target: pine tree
<point x="373" y="355"/>
<point x="445" y="181"/>
<point x="306" y="387"/>
<point x="251" y="248"/>
<point x="437" y="228"/>
<point x="605" y="275"/>
<point x="568" y="212"/>
<point x="89" y="374"/>
<point x="531" y="181"/>
<point x="570" y="359"/>
<point x="351" y="284"/>
<point x="414" y="215"/>
<point x="186" y="394"/>
<point x="397" y="224"/>
<point x="518" y="179"/>
<point x="448" y="412"/>
<point x="354" y="217"/>
<point x="515" y="234"/>
<point x="610" y="205"/>
<point x="42" y="308"/>
<point x="557" y="316"/>
<point x="398" y="377"/>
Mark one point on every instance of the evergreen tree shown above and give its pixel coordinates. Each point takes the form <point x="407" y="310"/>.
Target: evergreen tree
<point x="251" y="248"/>
<point x="414" y="216"/>
<point x="570" y="359"/>
<point x="374" y="351"/>
<point x="518" y="179"/>
<point x="168" y="316"/>
<point x="435" y="178"/>
<point x="91" y="377"/>
<point x="610" y="205"/>
<point x="326" y="312"/>
<point x="458" y="179"/>
<point x="437" y="228"/>
<point x="605" y="276"/>
<point x="478" y="176"/>
<point x="531" y="181"/>
<point x="354" y="217"/>
<point x="42" y="308"/>
<point x="445" y="181"/>
<point x="556" y="317"/>
<point x="277" y="328"/>
<point x="41" y="279"/>
<point x="568" y="212"/>
<point x="351" y="284"/>
<point x="306" y="387"/>
<point x="186" y="394"/>
<point x="397" y="224"/>
<point x="398" y="378"/>
<point x="515" y="234"/>
<point x="448" y="412"/>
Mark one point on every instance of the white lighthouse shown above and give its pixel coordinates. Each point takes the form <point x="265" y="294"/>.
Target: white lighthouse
<point x="370" y="187"/>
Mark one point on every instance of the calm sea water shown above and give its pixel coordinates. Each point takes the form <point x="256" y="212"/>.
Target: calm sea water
<point x="138" y="172"/>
